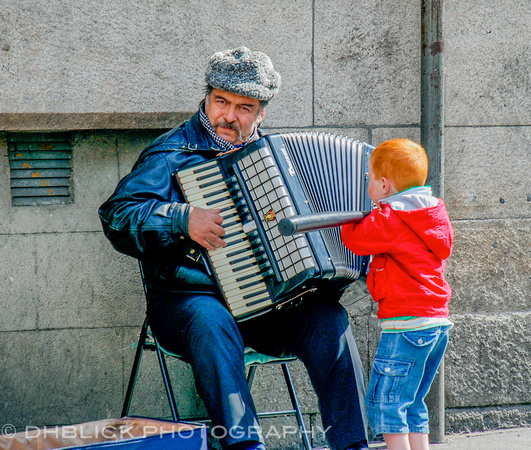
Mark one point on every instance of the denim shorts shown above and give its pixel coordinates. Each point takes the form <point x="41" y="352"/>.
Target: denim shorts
<point x="403" y="370"/>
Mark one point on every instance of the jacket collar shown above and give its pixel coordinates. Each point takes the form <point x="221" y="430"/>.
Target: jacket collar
<point x="197" y="137"/>
<point x="188" y="136"/>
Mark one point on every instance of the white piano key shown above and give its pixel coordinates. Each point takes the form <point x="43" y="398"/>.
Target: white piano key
<point x="241" y="280"/>
<point x="224" y="259"/>
<point x="224" y="253"/>
<point x="225" y="266"/>
<point x="244" y="307"/>
<point x="239" y="301"/>
<point x="241" y="293"/>
<point x="195" y="192"/>
<point x="248" y="281"/>
<point x="232" y="276"/>
<point x="204" y="202"/>
<point x="228" y="203"/>
<point x="242" y="256"/>
<point x="191" y="174"/>
<point x="229" y="239"/>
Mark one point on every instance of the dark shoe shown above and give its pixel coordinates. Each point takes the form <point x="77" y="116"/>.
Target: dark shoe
<point x="358" y="445"/>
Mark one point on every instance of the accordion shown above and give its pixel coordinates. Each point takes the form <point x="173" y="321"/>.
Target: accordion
<point x="280" y="176"/>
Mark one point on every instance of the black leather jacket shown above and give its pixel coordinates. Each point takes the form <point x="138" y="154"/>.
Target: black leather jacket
<point x="147" y="218"/>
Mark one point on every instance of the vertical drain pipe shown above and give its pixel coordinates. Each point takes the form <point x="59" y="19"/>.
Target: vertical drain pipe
<point x="432" y="92"/>
<point x="431" y="138"/>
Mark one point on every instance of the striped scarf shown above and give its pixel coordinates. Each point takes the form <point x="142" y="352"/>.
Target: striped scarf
<point x="222" y="143"/>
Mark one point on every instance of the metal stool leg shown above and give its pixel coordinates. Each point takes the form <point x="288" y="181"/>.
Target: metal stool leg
<point x="250" y="376"/>
<point x="134" y="370"/>
<point x="294" y="401"/>
<point x="167" y="381"/>
<point x="163" y="369"/>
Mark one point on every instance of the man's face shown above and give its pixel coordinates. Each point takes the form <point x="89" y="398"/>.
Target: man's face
<point x="233" y="117"/>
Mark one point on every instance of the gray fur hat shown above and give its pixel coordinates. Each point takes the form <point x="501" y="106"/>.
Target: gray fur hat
<point x="243" y="72"/>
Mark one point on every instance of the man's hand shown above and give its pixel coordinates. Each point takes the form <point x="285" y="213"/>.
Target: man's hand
<point x="204" y="227"/>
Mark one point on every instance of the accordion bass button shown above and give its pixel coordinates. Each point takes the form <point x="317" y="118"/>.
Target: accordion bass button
<point x="259" y="253"/>
<point x="254" y="238"/>
<point x="267" y="273"/>
<point x="261" y="258"/>
<point x="256" y="246"/>
<point x="264" y="265"/>
<point x="241" y="205"/>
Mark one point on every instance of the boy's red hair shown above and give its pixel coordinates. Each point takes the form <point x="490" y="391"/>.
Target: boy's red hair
<point x="404" y="162"/>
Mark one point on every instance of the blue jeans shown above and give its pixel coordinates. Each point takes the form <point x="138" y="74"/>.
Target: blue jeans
<point x="201" y="329"/>
<point x="403" y="370"/>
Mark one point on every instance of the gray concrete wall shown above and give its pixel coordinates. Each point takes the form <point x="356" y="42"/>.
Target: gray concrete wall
<point x="118" y="72"/>
<point x="487" y="163"/>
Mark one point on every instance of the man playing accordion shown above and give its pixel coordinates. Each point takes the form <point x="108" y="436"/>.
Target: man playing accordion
<point x="147" y="218"/>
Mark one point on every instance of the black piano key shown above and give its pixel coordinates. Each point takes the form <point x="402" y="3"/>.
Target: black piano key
<point x="230" y="224"/>
<point x="239" y="260"/>
<point x="238" y="252"/>
<point x="254" y="294"/>
<point x="248" y="285"/>
<point x="237" y="241"/>
<point x="210" y="183"/>
<point x="205" y="168"/>
<point x="245" y="266"/>
<point x="246" y="277"/>
<point x="210" y="175"/>
<point x="219" y="200"/>
<point x="234" y="233"/>
<point x="211" y="194"/>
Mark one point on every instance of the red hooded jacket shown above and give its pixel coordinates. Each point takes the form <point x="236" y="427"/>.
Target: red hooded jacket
<point x="409" y="248"/>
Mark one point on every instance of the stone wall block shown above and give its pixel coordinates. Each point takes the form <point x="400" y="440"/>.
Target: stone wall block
<point x="19" y="299"/>
<point x="150" y="58"/>
<point x="487" y="59"/>
<point x="60" y="377"/>
<point x="367" y="63"/>
<point x="490" y="266"/>
<point x="488" y="354"/>
<point x="380" y="135"/>
<point x="486" y="171"/>
<point x="466" y="420"/>
<point x="83" y="282"/>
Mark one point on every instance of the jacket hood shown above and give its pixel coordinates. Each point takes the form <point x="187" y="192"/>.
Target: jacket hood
<point x="432" y="226"/>
<point x="426" y="216"/>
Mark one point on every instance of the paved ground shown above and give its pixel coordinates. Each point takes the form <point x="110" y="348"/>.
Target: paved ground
<point x="512" y="439"/>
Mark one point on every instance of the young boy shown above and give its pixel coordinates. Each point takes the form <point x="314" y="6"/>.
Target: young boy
<point x="410" y="236"/>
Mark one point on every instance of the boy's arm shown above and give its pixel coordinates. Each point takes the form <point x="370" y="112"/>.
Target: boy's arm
<point x="373" y="235"/>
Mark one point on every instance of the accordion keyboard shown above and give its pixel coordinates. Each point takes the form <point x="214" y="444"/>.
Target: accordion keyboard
<point x="236" y="266"/>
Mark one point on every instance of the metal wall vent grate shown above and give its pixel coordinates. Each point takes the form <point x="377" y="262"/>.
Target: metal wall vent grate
<point x="40" y="165"/>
